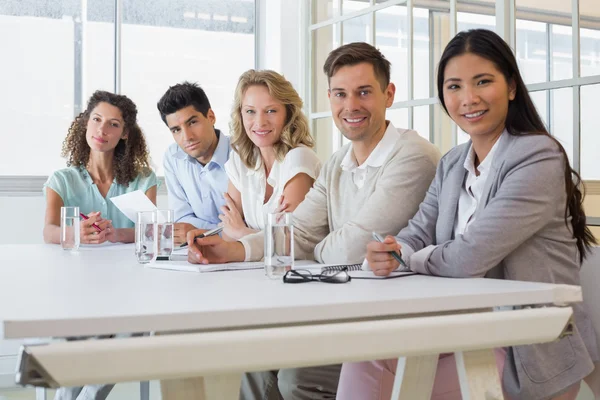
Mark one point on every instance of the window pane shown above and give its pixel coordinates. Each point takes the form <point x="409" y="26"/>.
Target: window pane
<point x="160" y="48"/>
<point x="98" y="49"/>
<point x="468" y="21"/>
<point x="391" y="40"/>
<point x="590" y="139"/>
<point x="357" y="29"/>
<point x="421" y="120"/>
<point x="349" y="6"/>
<point x="323" y="10"/>
<point x="398" y="117"/>
<point x="561" y="126"/>
<point x="532" y="55"/>
<point x="439" y="40"/>
<point x="324" y="40"/>
<point x="42" y="71"/>
<point x="422" y="71"/>
<point x="590" y="52"/>
<point x="540" y="101"/>
<point x="561" y="57"/>
<point x="327" y="137"/>
<point x="560" y="123"/>
<point x="442" y="129"/>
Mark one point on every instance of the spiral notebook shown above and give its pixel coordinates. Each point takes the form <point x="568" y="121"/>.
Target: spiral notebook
<point x="354" y="270"/>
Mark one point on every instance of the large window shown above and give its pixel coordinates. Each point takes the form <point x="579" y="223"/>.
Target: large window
<point x="55" y="54"/>
<point x="557" y="45"/>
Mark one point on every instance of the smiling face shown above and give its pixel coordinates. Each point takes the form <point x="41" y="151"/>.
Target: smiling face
<point x="263" y="116"/>
<point x="193" y="132"/>
<point x="105" y="127"/>
<point x="357" y="102"/>
<point x="476" y="95"/>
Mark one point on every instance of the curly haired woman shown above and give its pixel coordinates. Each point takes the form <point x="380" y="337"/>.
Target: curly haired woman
<point x="106" y="157"/>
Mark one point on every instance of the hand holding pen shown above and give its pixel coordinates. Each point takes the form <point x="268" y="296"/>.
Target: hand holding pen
<point x="86" y="218"/>
<point x="378" y="255"/>
<point x="211" y="232"/>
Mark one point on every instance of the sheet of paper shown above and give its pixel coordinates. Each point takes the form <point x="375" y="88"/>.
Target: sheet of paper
<point x="133" y="202"/>
<point x="185" y="266"/>
<point x="107" y="246"/>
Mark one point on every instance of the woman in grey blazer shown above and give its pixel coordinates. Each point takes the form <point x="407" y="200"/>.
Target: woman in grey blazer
<point x="506" y="205"/>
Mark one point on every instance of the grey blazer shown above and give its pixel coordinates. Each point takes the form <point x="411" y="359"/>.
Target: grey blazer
<point x="519" y="233"/>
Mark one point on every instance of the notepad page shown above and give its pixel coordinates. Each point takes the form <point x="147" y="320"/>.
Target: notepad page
<point x="185" y="266"/>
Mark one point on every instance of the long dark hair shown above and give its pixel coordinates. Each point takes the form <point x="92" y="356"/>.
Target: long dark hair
<point x="131" y="155"/>
<point x="522" y="117"/>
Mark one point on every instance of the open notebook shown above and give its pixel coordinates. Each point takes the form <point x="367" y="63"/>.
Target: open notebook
<point x="186" y="266"/>
<point x="179" y="263"/>
<point x="354" y="270"/>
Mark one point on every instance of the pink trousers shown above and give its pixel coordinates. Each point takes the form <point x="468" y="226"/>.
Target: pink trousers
<point x="374" y="380"/>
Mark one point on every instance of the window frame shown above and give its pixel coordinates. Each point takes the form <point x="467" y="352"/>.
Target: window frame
<point x="31" y="185"/>
<point x="506" y="15"/>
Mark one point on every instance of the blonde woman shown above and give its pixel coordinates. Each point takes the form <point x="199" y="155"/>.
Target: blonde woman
<point x="272" y="166"/>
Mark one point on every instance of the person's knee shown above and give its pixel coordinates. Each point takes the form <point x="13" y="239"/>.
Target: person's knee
<point x="309" y="383"/>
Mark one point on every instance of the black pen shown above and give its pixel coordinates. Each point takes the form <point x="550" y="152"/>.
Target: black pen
<point x="212" y="232"/>
<point x="394" y="254"/>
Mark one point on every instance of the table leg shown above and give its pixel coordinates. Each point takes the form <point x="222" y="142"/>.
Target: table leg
<point x="222" y="387"/>
<point x="414" y="377"/>
<point x="478" y="375"/>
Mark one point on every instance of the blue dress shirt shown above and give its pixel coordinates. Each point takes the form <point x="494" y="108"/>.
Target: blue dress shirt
<point x="196" y="191"/>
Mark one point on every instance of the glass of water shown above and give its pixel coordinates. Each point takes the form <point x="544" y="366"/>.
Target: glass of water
<point x="69" y="228"/>
<point x="279" y="244"/>
<point x="146" y="236"/>
<point x="165" y="232"/>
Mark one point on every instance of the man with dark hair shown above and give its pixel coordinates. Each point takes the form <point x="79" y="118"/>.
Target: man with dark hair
<point x="194" y="164"/>
<point x="375" y="183"/>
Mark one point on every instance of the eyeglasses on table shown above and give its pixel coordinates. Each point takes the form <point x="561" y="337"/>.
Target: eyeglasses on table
<point x="303" y="276"/>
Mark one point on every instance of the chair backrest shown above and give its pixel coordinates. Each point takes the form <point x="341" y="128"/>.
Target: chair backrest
<point x="590" y="285"/>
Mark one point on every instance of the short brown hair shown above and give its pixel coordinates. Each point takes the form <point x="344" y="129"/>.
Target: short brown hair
<point x="356" y="53"/>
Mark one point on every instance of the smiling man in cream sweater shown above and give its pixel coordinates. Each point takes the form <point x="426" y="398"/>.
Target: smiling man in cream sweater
<point x="375" y="183"/>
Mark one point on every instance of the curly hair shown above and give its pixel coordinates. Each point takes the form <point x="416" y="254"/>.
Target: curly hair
<point x="130" y="156"/>
<point x="295" y="131"/>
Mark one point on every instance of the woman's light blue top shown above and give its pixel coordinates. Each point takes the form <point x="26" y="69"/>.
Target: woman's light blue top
<point x="76" y="188"/>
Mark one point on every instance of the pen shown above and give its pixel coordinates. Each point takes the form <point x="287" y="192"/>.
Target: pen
<point x="394" y="254"/>
<point x="212" y="232"/>
<point x="82" y="215"/>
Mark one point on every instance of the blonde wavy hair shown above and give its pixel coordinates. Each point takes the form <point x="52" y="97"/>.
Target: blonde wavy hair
<point x="295" y="131"/>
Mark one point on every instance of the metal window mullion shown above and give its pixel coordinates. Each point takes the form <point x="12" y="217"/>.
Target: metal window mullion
<point x="117" y="65"/>
<point x="340" y="35"/>
<point x="431" y="76"/>
<point x="453" y="31"/>
<point x="410" y="58"/>
<point x="550" y="96"/>
<point x="306" y="47"/>
<point x="82" y="82"/>
<point x="576" y="89"/>
<point x="373" y="30"/>
<point x="257" y="30"/>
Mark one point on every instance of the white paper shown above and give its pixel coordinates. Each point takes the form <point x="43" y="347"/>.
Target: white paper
<point x="133" y="202"/>
<point x="185" y="266"/>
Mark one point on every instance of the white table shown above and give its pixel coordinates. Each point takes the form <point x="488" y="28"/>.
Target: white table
<point x="222" y="324"/>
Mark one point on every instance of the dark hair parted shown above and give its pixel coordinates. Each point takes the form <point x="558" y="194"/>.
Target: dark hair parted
<point x="181" y="96"/>
<point x="522" y="117"/>
<point x="130" y="157"/>
<point x="356" y="53"/>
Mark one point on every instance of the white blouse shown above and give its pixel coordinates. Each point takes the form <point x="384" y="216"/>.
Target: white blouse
<point x="251" y="183"/>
